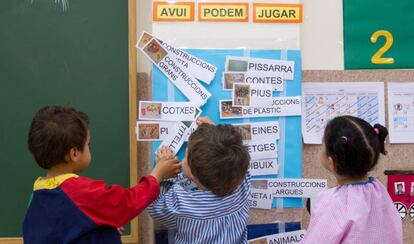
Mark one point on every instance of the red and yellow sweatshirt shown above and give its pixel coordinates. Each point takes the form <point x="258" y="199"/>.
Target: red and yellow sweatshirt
<point x="75" y="209"/>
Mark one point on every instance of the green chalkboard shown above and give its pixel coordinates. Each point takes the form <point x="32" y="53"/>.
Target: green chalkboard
<point x="64" y="52"/>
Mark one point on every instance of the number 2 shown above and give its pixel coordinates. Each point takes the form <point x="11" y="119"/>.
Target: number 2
<point x="377" y="58"/>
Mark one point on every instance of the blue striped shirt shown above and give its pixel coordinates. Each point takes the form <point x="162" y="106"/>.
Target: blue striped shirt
<point x="200" y="216"/>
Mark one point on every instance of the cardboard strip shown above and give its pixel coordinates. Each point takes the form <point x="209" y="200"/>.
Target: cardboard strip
<point x="252" y="95"/>
<point x="281" y="106"/>
<point x="244" y="64"/>
<point x="262" y="149"/>
<point x="260" y="199"/>
<point x="266" y="78"/>
<point x="223" y="12"/>
<point x="286" y="237"/>
<point x="154" y="130"/>
<point x="167" y="111"/>
<point x="200" y="69"/>
<point x="173" y="70"/>
<point x="173" y="11"/>
<point x="302" y="188"/>
<point x="176" y="140"/>
<point x="264" y="167"/>
<point x="259" y="130"/>
<point x="277" y="13"/>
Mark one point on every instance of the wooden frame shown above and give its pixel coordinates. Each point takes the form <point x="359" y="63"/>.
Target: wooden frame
<point x="133" y="160"/>
<point x="132" y="74"/>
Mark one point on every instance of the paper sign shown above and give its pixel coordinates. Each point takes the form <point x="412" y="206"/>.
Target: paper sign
<point x="191" y="130"/>
<point x="262" y="149"/>
<point x="223" y="12"/>
<point x="270" y="78"/>
<point x="167" y="111"/>
<point x="176" y="140"/>
<point x="277" y="13"/>
<point x="244" y="64"/>
<point x="261" y="199"/>
<point x="303" y="188"/>
<point x="401" y="112"/>
<point x="173" y="11"/>
<point x="259" y="130"/>
<point x="282" y="106"/>
<point x="200" y="69"/>
<point x="285" y="238"/>
<point x="324" y="101"/>
<point x="154" y="130"/>
<point x="173" y="70"/>
<point x="264" y="167"/>
<point x="252" y="95"/>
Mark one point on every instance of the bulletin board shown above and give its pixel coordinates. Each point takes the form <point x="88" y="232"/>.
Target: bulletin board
<point x="289" y="150"/>
<point x="399" y="157"/>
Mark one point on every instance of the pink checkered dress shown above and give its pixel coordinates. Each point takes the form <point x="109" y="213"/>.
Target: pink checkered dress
<point x="355" y="213"/>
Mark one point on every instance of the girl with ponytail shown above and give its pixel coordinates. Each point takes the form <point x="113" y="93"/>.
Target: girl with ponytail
<point x="358" y="209"/>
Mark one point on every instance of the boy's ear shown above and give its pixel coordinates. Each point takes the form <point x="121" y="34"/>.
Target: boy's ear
<point x="191" y="176"/>
<point x="72" y="155"/>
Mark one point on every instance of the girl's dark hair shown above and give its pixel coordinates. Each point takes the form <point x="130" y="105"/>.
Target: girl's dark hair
<point x="354" y="145"/>
<point x="218" y="158"/>
<point x="54" y="131"/>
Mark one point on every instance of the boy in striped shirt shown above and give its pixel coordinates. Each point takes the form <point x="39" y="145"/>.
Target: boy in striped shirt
<point x="217" y="212"/>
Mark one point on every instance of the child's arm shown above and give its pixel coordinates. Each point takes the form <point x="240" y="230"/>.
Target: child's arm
<point x="114" y="205"/>
<point x="164" y="209"/>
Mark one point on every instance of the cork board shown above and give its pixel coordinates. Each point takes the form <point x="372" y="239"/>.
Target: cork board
<point x="399" y="157"/>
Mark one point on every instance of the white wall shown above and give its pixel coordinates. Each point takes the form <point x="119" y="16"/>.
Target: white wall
<point x="320" y="36"/>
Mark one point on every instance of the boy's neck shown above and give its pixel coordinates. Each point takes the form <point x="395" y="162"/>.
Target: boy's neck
<point x="59" y="169"/>
<point x="343" y="180"/>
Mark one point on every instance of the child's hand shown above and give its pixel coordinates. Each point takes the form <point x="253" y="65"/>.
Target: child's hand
<point x="166" y="165"/>
<point x="204" y="120"/>
<point x="120" y="230"/>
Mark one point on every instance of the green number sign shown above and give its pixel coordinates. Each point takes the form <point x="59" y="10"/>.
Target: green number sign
<point x="378" y="34"/>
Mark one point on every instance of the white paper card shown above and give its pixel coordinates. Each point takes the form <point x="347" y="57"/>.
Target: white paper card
<point x="401" y="112"/>
<point x="154" y="130"/>
<point x="252" y="95"/>
<point x="174" y="70"/>
<point x="199" y="68"/>
<point x="303" y="188"/>
<point x="266" y="78"/>
<point x="281" y="106"/>
<point x="285" y="238"/>
<point x="261" y="199"/>
<point x="167" y="111"/>
<point x="262" y="149"/>
<point x="176" y="140"/>
<point x="264" y="167"/>
<point x="246" y="64"/>
<point x="259" y="130"/>
<point x="325" y="101"/>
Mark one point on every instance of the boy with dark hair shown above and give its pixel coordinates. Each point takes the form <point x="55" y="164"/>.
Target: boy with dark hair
<point x="217" y="161"/>
<point x="67" y="208"/>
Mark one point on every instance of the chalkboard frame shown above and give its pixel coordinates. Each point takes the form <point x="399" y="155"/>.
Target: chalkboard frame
<point x="133" y="156"/>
